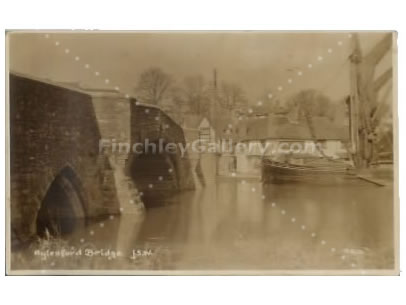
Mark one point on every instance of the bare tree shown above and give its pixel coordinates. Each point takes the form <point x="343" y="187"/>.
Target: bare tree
<point x="152" y="86"/>
<point x="231" y="96"/>
<point x="270" y="103"/>
<point x="196" y="93"/>
<point x="174" y="103"/>
<point x="312" y="102"/>
<point x="176" y="97"/>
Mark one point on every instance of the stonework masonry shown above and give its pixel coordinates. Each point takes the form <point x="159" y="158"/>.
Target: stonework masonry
<point x="55" y="130"/>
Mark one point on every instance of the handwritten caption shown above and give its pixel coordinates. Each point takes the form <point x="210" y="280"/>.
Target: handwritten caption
<point x="92" y="253"/>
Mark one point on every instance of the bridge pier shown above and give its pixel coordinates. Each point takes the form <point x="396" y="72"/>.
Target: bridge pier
<point x="113" y="115"/>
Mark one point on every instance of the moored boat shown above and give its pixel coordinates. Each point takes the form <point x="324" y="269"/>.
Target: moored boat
<point x="278" y="172"/>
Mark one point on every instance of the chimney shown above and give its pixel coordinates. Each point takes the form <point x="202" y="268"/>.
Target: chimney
<point x="215" y="80"/>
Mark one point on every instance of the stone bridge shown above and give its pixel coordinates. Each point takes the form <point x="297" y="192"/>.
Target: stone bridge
<point x="65" y="163"/>
<point x="160" y="168"/>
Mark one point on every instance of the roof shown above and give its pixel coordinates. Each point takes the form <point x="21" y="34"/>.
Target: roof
<point x="279" y="127"/>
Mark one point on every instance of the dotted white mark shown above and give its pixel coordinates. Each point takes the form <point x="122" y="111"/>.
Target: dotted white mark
<point x="121" y="209"/>
<point x="313" y="235"/>
<point x="53" y="264"/>
<point x="270" y="95"/>
<point x="253" y="189"/>
<point x="46" y="36"/>
<point x="91" y="232"/>
<point x="330" y="51"/>
<point x="101" y="225"/>
<point x="340" y="43"/>
<point x="141" y="194"/>
<point x="57" y="43"/>
<point x="67" y="51"/>
<point x="127" y="96"/>
<point x="150" y="186"/>
<point x="157" y="118"/>
<point x="146" y="110"/>
<point x="250" y="110"/>
<point x="131" y="201"/>
<point x="160" y="178"/>
<point x="170" y="170"/>
<point x="343" y="257"/>
<point x="320" y="58"/>
<point x="82" y="240"/>
<point x="299" y="73"/>
<point x="97" y="73"/>
<point x="263" y="197"/>
<point x="283" y="212"/>
<point x="259" y="103"/>
<point x="106" y="80"/>
<point x="333" y="249"/>
<point x="353" y="265"/>
<point x="349" y="35"/>
<point x="303" y="227"/>
<point x="293" y="219"/>
<point x="87" y="66"/>
<point x="323" y="242"/>
<point x="77" y="58"/>
<point x="280" y="88"/>
<point x="233" y="174"/>
<point x="117" y="88"/>
<point x="273" y="204"/>
<point x="310" y="66"/>
<point x="111" y="217"/>
<point x="290" y="80"/>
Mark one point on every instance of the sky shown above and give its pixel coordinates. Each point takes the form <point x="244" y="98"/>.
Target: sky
<point x="261" y="62"/>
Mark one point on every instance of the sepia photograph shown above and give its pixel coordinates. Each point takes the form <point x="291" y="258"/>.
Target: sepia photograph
<point x="202" y="153"/>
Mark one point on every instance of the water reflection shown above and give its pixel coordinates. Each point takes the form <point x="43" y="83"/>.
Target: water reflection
<point x="232" y="224"/>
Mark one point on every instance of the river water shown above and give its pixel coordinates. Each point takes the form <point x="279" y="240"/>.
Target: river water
<point x="239" y="224"/>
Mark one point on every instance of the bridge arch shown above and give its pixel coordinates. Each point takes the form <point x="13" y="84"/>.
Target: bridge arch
<point x="156" y="175"/>
<point x="63" y="207"/>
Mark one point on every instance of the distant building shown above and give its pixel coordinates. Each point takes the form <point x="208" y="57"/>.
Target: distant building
<point x="212" y="134"/>
<point x="209" y="131"/>
<point x="278" y="138"/>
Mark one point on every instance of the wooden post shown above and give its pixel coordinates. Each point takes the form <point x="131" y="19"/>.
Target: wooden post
<point x="363" y="97"/>
<point x="355" y="59"/>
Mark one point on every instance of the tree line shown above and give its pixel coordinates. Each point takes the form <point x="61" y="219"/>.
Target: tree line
<point x="193" y="93"/>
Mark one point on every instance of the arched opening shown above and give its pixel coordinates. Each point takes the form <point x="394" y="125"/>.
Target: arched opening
<point x="62" y="210"/>
<point x="156" y="176"/>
